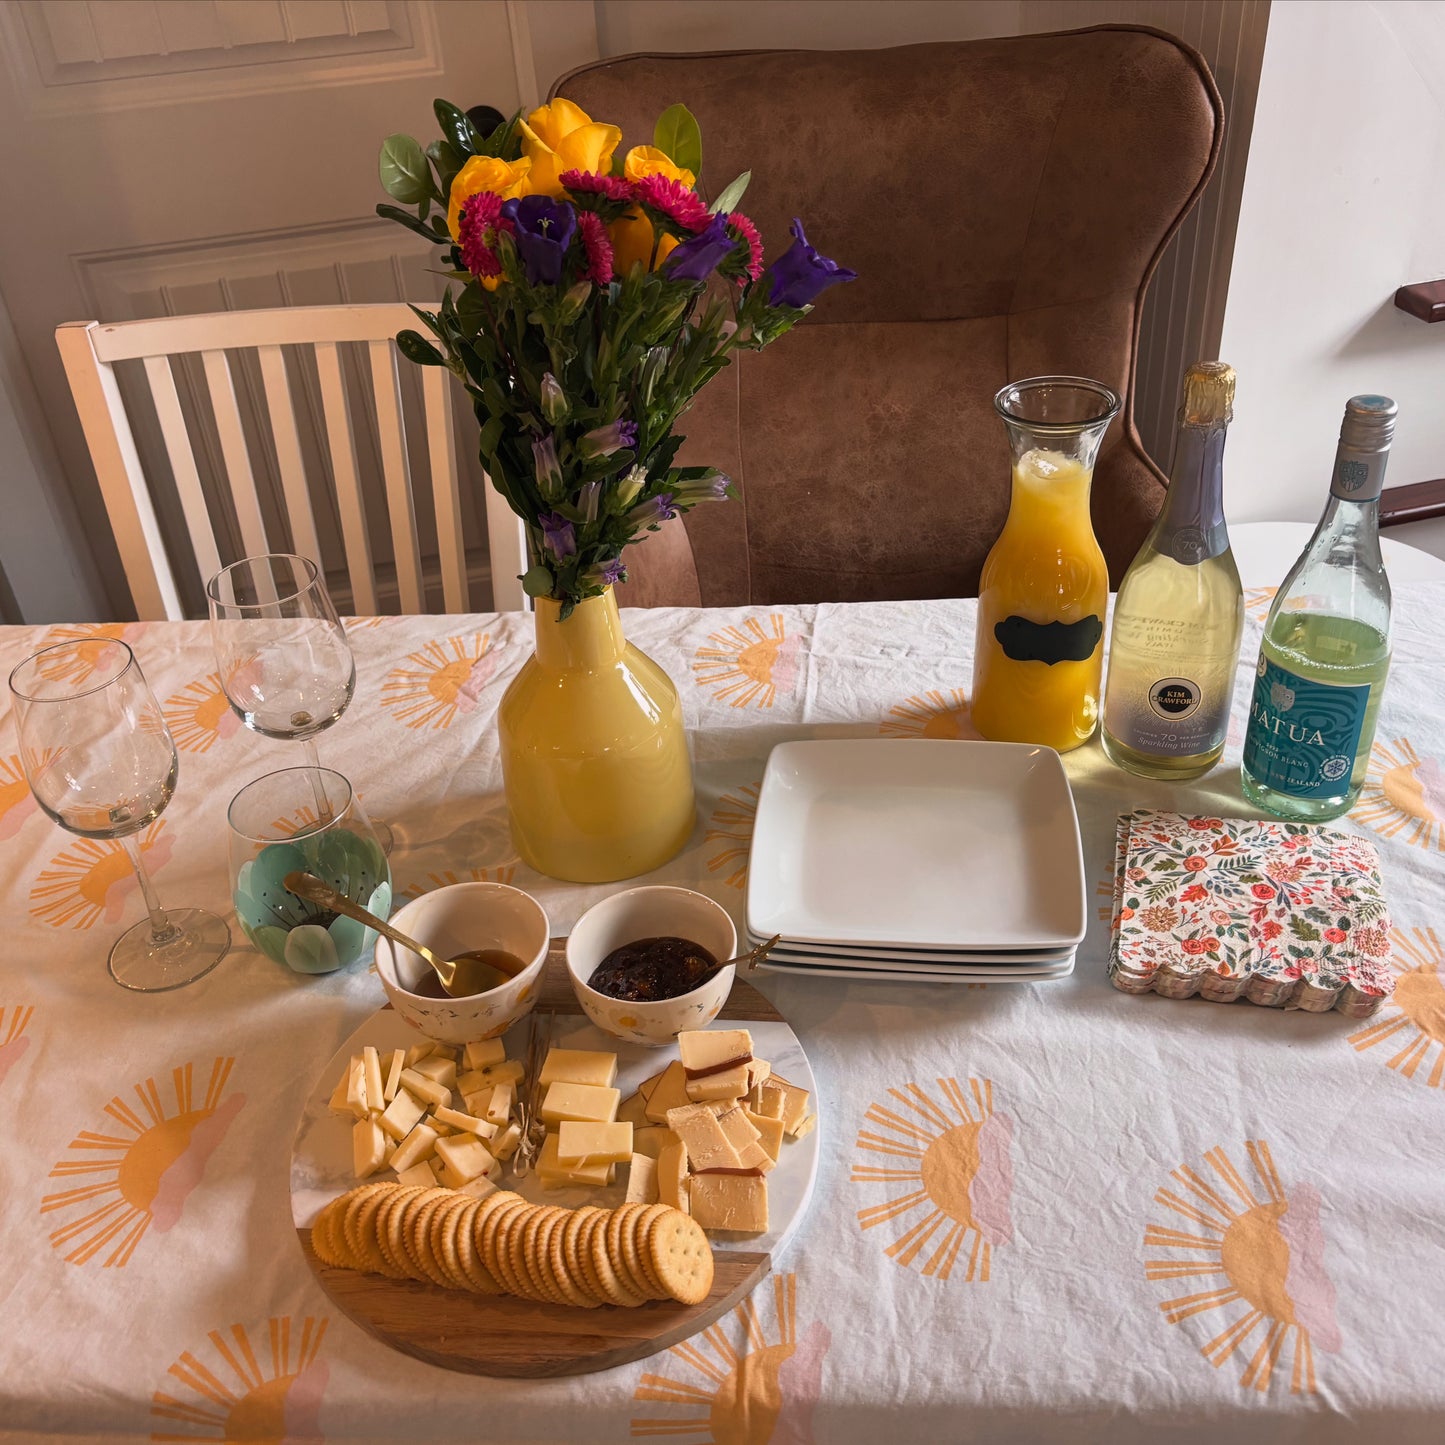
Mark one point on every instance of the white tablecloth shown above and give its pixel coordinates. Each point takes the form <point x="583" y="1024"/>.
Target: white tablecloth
<point x="1184" y="1218"/>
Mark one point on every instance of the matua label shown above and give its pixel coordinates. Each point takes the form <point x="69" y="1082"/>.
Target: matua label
<point x="1303" y="734"/>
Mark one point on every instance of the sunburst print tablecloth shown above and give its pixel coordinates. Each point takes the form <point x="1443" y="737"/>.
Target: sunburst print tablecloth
<point x="1051" y="1212"/>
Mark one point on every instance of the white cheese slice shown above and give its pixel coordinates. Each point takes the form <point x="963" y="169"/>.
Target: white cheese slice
<point x="505" y="1143"/>
<point x="579" y="1066"/>
<point x="467" y="1123"/>
<point x="368" y="1148"/>
<point x="642" y="1180"/>
<point x="462" y="1160"/>
<point x="499" y="1106"/>
<point x="422" y="1050"/>
<point x="509" y="1070"/>
<point x="356" y="1087"/>
<point x="418" y="1174"/>
<point x="734" y="1202"/>
<point x="402" y="1115"/>
<point x="439" y="1069"/>
<point x="417" y="1146"/>
<point x="375" y="1087"/>
<point x="425" y="1088"/>
<point x="483" y="1053"/>
<point x="393" y="1074"/>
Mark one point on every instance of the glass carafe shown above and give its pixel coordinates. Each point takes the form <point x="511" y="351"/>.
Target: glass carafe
<point x="1039" y="652"/>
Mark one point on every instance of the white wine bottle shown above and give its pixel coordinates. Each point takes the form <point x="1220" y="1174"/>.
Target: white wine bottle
<point x="1178" y="618"/>
<point x="1326" y="646"/>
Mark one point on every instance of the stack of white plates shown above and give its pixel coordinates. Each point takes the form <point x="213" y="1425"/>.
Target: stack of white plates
<point x="917" y="860"/>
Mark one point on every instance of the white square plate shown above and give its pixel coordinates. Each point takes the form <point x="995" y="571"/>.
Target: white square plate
<point x="886" y="973"/>
<point x="917" y="842"/>
<point x="963" y="958"/>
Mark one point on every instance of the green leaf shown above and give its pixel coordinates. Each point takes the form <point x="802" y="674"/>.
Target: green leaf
<point x="731" y="195"/>
<point x="415" y="347"/>
<point x="537" y="582"/>
<point x="678" y="136"/>
<point x="503" y="140"/>
<point x="457" y="129"/>
<point x="491" y="435"/>
<point x="447" y="160"/>
<point x="405" y="218"/>
<point x="405" y="175"/>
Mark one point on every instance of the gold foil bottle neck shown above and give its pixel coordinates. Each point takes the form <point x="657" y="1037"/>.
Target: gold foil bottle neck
<point x="1208" y="394"/>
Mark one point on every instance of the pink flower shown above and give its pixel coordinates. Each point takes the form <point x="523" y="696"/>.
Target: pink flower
<point x="1262" y="890"/>
<point x="674" y="200"/>
<point x="1204" y="825"/>
<point x="1271" y="929"/>
<point x="1219" y="916"/>
<point x="1194" y="945"/>
<point x="479" y="222"/>
<point x="589" y="183"/>
<point x="1335" y="935"/>
<point x="597" y="247"/>
<point x="743" y="229"/>
<point x="1136" y="875"/>
<point x="1195" y="864"/>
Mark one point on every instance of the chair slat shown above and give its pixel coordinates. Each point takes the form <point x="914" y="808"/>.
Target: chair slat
<point x="507" y="549"/>
<point x="342" y="446"/>
<point x="391" y="435"/>
<point x="234" y="453"/>
<point x="287" y="440"/>
<point x="183" y="464"/>
<point x="447" y="500"/>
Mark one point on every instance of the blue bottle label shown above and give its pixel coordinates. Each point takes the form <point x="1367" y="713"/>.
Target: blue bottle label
<point x="1303" y="734"/>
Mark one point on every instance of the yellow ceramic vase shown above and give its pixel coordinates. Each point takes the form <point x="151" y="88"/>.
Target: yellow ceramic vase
<point x="594" y="753"/>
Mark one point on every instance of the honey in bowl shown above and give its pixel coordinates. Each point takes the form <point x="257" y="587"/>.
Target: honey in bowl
<point x="649" y="970"/>
<point x="489" y="968"/>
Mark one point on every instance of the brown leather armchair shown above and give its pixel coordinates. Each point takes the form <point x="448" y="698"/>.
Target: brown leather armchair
<point x="1004" y="203"/>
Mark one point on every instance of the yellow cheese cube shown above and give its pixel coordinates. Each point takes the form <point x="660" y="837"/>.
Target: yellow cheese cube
<point x="728" y="1084"/>
<point x="707" y="1146"/>
<point x="508" y="1071"/>
<point x="770" y="1132"/>
<point x="579" y="1066"/>
<point x="467" y="1123"/>
<point x="418" y="1174"/>
<point x="439" y="1069"/>
<point x="705" y="1050"/>
<point x="672" y="1177"/>
<point x="795" y="1104"/>
<point x="480" y="1187"/>
<point x="484" y="1053"/>
<point x="652" y="1140"/>
<point x="670" y="1092"/>
<point x="771" y="1100"/>
<point x="422" y="1050"/>
<point x="393" y="1074"/>
<point x="425" y="1088"/>
<point x="586" y="1103"/>
<point x="556" y="1175"/>
<point x="417" y="1146"/>
<point x="583" y="1144"/>
<point x="462" y="1160"/>
<point x="499" y="1106"/>
<point x="375" y="1084"/>
<point x="477" y="1101"/>
<point x="356" y="1088"/>
<point x="368" y="1147"/>
<point x="505" y="1143"/>
<point x="734" y="1202"/>
<point x="642" y="1180"/>
<point x="402" y="1115"/>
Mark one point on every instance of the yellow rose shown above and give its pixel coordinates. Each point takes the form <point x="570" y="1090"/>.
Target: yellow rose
<point x="563" y="137"/>
<point x="486" y="173"/>
<point x="632" y="234"/>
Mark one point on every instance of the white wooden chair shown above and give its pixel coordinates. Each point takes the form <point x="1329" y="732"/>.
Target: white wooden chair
<point x="90" y="351"/>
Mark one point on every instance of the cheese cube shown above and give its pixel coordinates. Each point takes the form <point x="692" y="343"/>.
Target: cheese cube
<point x="579" y="1066"/>
<point x="483" y="1053"/>
<point x="425" y="1088"/>
<point x="633" y="1110"/>
<point x="642" y="1180"/>
<point x="338" y="1103"/>
<point x="556" y="1175"/>
<point x="402" y="1115"/>
<point x="805" y="1126"/>
<point x="467" y="1123"/>
<point x="771" y="1100"/>
<point x="770" y="1132"/>
<point x="368" y="1147"/>
<point x="504" y="1145"/>
<point x="795" y="1104"/>
<point x="477" y="1101"/>
<point x="709" y="1051"/>
<point x="652" y="1140"/>
<point x="725" y="1084"/>
<point x="480" y="1187"/>
<point x="419" y="1174"/>
<point x="586" y="1103"/>
<point x="417" y="1146"/>
<point x="421" y="1051"/>
<point x="356" y="1088"/>
<point x="741" y="1134"/>
<point x="672" y="1177"/>
<point x="439" y="1069"/>
<point x="735" y="1202"/>
<point x="707" y="1146"/>
<point x="463" y="1159"/>
<point x="375" y="1085"/>
<point x="443" y="1130"/>
<point x="758" y="1072"/>
<point x="499" y="1106"/>
<point x="508" y="1071"/>
<point x="583" y="1144"/>
<point x="393" y="1074"/>
<point x="670" y="1092"/>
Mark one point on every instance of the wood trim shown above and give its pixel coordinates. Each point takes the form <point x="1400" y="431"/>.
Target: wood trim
<point x="1416" y="502"/>
<point x="1425" y="299"/>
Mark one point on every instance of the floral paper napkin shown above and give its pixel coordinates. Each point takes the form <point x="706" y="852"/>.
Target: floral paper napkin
<point x="1288" y="915"/>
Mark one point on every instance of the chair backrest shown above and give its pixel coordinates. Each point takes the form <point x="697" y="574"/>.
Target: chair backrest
<point x="1004" y="203"/>
<point x="91" y="350"/>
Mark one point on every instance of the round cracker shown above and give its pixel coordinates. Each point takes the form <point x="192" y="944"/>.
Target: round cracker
<point x="444" y="1240"/>
<point x="574" y="1260"/>
<point x="386" y="1228"/>
<point x="622" y="1250"/>
<point x="359" y="1226"/>
<point x="531" y="1250"/>
<point x="419" y="1242"/>
<point x="498" y="1246"/>
<point x="465" y="1233"/>
<point x="679" y="1253"/>
<point x="555" y="1265"/>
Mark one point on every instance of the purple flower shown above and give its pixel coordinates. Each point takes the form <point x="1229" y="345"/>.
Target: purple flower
<point x="613" y="572"/>
<point x="800" y="273"/>
<point x="602" y="441"/>
<point x="655" y="509"/>
<point x="544" y="230"/>
<point x="558" y="535"/>
<point x="711" y="488"/>
<point x="546" y="468"/>
<point x="589" y="500"/>
<point x="696" y="258"/>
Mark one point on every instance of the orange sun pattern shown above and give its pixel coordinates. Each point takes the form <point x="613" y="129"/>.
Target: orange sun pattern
<point x="17" y="802"/>
<point x="140" y="1177"/>
<point x="933" y="714"/>
<point x="92" y="879"/>
<point x="748" y="664"/>
<point x="200" y="715"/>
<point x="1412" y="1023"/>
<point x="731" y="825"/>
<point x="14" y="1041"/>
<point x="1403" y="796"/>
<point x="502" y="874"/>
<point x="433" y="685"/>
<point x="80" y="665"/>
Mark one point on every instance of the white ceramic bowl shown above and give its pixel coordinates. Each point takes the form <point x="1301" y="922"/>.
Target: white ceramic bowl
<point x="652" y="912"/>
<point x="453" y="920"/>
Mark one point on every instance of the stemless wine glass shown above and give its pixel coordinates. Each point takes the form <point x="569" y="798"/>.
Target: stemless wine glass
<point x="285" y="664"/>
<point x="101" y="761"/>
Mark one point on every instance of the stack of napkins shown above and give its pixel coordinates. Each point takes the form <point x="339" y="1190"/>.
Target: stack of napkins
<point x="1288" y="915"/>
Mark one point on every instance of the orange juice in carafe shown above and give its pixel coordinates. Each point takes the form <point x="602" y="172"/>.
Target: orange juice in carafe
<point x="1038" y="651"/>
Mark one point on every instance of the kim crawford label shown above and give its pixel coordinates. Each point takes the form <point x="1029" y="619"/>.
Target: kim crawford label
<point x="1181" y="720"/>
<point x="1303" y="734"/>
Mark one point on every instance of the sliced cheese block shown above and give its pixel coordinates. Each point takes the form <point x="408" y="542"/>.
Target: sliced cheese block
<point x="795" y="1103"/>
<point x="646" y="1087"/>
<point x="707" y="1146"/>
<point x="735" y="1202"/>
<point x="416" y="1147"/>
<point x="467" y="1123"/>
<point x="582" y="1144"/>
<point x="438" y="1068"/>
<point x="633" y="1110"/>
<point x="736" y="1126"/>
<point x="476" y="1102"/>
<point x="642" y="1180"/>
<point x="425" y="1088"/>
<point x="375" y="1084"/>
<point x="710" y="1051"/>
<point x="393" y="1074"/>
<point x="769" y="1100"/>
<point x="672" y="1177"/>
<point x="356" y="1087"/>
<point x="579" y="1066"/>
<point x="418" y="1174"/>
<point x="499" y="1106"/>
<point x="505" y="1143"/>
<point x="338" y="1103"/>
<point x="484" y="1053"/>
<point x="758" y="1072"/>
<point x="462" y="1160"/>
<point x="805" y="1126"/>
<point x="583" y="1102"/>
<point x="652" y="1140"/>
<point x="508" y="1071"/>
<point x="421" y="1051"/>
<point x="481" y="1186"/>
<point x="770" y="1132"/>
<point x="402" y="1115"/>
<point x="670" y="1092"/>
<point x="556" y="1175"/>
<point x="726" y="1084"/>
<point x="368" y="1147"/>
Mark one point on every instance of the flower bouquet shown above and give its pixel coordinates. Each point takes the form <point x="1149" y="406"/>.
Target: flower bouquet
<point x="599" y="292"/>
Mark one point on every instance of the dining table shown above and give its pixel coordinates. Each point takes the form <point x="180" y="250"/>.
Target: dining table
<point x="1192" y="1220"/>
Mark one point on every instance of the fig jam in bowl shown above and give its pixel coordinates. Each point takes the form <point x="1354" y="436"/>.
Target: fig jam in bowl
<point x="693" y="930"/>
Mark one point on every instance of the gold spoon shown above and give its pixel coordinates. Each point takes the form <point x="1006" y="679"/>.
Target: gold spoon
<point x="469" y="973"/>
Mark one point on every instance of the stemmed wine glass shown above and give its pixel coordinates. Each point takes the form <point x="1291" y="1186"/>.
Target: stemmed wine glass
<point x="101" y="761"/>
<point x="285" y="664"/>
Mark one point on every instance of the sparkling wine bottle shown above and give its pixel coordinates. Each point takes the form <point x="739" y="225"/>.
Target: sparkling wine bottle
<point x="1326" y="645"/>
<point x="1180" y="610"/>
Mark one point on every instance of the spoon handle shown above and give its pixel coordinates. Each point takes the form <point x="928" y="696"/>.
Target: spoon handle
<point x="315" y="890"/>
